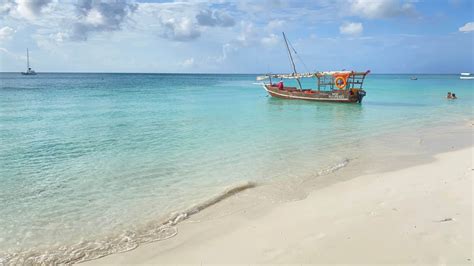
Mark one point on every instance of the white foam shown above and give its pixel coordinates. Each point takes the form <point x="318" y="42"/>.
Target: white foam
<point x="126" y="241"/>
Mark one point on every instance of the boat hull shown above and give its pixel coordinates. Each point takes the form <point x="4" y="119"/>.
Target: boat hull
<point x="339" y="96"/>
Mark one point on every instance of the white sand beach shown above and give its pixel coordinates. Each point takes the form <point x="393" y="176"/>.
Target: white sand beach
<point x="420" y="214"/>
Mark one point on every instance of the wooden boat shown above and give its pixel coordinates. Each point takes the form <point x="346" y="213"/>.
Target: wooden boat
<point x="29" y="71"/>
<point x="332" y="86"/>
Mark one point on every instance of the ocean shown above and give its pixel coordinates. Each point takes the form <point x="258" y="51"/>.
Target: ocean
<point x="93" y="164"/>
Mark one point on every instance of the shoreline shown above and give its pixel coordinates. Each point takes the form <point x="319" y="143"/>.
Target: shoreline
<point x="406" y="149"/>
<point x="254" y="207"/>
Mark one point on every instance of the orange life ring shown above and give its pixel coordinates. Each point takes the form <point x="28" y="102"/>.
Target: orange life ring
<point x="340" y="85"/>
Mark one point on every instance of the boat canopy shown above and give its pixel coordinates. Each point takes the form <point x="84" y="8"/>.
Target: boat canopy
<point x="312" y="75"/>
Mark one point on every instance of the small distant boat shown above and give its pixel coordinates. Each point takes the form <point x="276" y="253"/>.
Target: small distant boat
<point x="332" y="86"/>
<point x="466" y="75"/>
<point x="29" y="70"/>
<point x="414" y="78"/>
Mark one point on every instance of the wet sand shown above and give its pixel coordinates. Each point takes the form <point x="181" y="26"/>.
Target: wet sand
<point x="412" y="208"/>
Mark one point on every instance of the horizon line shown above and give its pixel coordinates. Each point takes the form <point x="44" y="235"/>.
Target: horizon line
<point x="214" y="73"/>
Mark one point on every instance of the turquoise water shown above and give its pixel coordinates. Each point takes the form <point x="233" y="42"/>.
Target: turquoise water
<point x="88" y="157"/>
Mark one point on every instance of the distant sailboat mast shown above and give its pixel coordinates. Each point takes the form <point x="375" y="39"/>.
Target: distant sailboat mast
<point x="29" y="71"/>
<point x="27" y="60"/>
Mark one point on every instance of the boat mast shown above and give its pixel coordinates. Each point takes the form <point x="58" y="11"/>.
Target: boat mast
<point x="291" y="59"/>
<point x="27" y="60"/>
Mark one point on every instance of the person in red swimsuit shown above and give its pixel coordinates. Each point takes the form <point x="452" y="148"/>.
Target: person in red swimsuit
<point x="280" y="85"/>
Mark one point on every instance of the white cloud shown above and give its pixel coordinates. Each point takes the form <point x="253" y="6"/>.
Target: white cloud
<point x="76" y="19"/>
<point x="96" y="16"/>
<point x="275" y="24"/>
<point x="248" y="34"/>
<point x="12" y="55"/>
<point x="271" y="40"/>
<point x="6" y="7"/>
<point x="6" y="33"/>
<point x="260" y="6"/>
<point x="467" y="27"/>
<point x="182" y="21"/>
<point x="381" y="8"/>
<point x="188" y="62"/>
<point x="227" y="48"/>
<point x="31" y="8"/>
<point x="213" y="18"/>
<point x="180" y="29"/>
<point x="351" y="28"/>
<point x="28" y="9"/>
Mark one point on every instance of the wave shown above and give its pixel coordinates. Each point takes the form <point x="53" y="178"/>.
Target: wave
<point x="131" y="239"/>
<point x="334" y="167"/>
<point x="126" y="241"/>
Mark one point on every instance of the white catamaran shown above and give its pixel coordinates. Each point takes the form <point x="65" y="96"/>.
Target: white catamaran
<point x="466" y="76"/>
<point x="29" y="71"/>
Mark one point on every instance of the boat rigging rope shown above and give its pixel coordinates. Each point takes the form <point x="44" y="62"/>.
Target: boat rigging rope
<point x="299" y="58"/>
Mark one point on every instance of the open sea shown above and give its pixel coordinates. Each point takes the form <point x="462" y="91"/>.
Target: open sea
<point x="92" y="164"/>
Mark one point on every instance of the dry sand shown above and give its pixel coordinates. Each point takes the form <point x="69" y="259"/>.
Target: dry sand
<point x="421" y="214"/>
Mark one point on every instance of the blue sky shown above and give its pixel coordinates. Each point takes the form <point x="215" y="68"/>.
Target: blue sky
<point x="220" y="36"/>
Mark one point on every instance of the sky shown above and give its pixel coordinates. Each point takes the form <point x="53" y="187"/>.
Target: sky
<point x="237" y="36"/>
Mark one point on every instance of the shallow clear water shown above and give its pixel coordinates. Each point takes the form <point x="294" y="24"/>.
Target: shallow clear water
<point x="89" y="155"/>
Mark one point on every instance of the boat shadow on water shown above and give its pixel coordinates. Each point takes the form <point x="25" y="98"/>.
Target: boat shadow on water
<point x="355" y="111"/>
<point x="315" y="114"/>
<point x="296" y="102"/>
